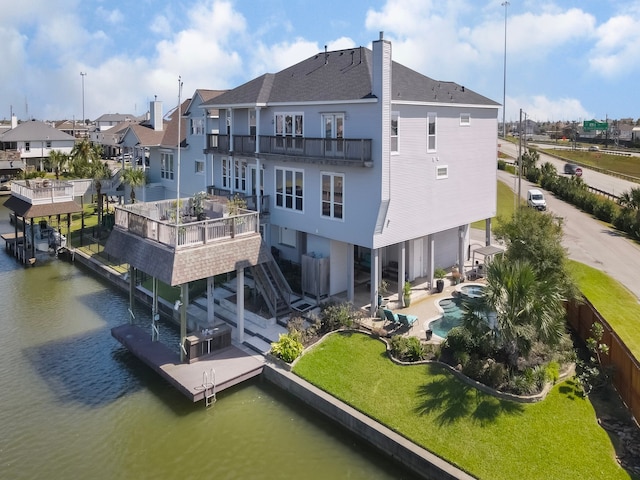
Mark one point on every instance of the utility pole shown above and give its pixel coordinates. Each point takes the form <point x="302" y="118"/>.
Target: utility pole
<point x="504" y="80"/>
<point x="83" y="74"/>
<point x="520" y="162"/>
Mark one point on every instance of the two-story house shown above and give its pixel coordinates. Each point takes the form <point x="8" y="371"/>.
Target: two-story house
<point x="364" y="161"/>
<point x="34" y="141"/>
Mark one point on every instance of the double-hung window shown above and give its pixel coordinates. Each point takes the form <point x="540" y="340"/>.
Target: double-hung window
<point x="289" y="189"/>
<point x="431" y="132"/>
<point x="395" y="129"/>
<point x="199" y="170"/>
<point x="166" y="165"/>
<point x="332" y="195"/>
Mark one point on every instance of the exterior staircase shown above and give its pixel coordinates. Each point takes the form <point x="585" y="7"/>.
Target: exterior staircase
<point x="273" y="287"/>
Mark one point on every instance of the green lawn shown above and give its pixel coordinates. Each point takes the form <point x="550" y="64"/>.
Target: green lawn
<point x="614" y="302"/>
<point x="615" y="163"/>
<point x="491" y="439"/>
<point x="505" y="205"/>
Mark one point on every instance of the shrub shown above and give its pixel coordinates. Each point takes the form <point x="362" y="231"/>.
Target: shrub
<point x="605" y="210"/>
<point x="334" y="315"/>
<point x="306" y="329"/>
<point x="501" y="164"/>
<point x="406" y="348"/>
<point x="288" y="347"/>
<point x="495" y="374"/>
<point x="461" y="358"/>
<point x="459" y="339"/>
<point x="552" y="372"/>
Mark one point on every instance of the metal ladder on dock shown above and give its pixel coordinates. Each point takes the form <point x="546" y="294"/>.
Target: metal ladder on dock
<point x="209" y="387"/>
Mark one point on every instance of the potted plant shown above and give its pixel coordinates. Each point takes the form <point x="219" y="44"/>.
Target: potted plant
<point x="406" y="294"/>
<point x="197" y="203"/>
<point x="455" y="275"/>
<point x="382" y="290"/>
<point x="439" y="274"/>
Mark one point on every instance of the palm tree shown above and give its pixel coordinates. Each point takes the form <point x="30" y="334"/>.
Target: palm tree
<point x="84" y="157"/>
<point x="525" y="309"/>
<point x="630" y="200"/>
<point x="133" y="177"/>
<point x="57" y="161"/>
<point x="86" y="162"/>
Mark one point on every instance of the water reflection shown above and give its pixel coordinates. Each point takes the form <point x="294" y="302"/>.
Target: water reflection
<point x="75" y="404"/>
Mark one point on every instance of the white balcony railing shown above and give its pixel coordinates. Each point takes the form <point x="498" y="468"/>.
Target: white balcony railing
<point x="156" y="221"/>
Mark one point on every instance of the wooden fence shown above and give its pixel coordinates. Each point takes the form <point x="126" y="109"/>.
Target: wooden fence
<point x="626" y="368"/>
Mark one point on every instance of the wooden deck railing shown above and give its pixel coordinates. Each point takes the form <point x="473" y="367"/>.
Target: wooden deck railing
<point x="156" y="222"/>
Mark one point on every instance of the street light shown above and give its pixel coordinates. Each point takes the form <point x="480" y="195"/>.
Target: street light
<point x="504" y="84"/>
<point x="83" y="74"/>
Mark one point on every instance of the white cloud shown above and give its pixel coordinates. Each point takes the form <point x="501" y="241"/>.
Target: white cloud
<point x="615" y="52"/>
<point x="160" y="25"/>
<point x="113" y="17"/>
<point x="540" y="108"/>
<point x="273" y="58"/>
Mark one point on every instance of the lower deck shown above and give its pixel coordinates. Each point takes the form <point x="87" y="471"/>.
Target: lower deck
<point x="199" y="380"/>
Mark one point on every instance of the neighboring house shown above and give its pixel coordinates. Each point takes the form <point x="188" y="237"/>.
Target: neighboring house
<point x="197" y="172"/>
<point x="108" y="120"/>
<point x="110" y="139"/>
<point x="162" y="144"/>
<point x="34" y="141"/>
<point x="74" y="128"/>
<point x="137" y="138"/>
<point x="362" y="160"/>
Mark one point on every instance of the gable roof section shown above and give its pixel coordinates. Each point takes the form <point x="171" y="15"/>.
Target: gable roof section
<point x="147" y="137"/>
<point x="170" y="137"/>
<point x="343" y="75"/>
<point x="204" y="96"/>
<point x="33" y="131"/>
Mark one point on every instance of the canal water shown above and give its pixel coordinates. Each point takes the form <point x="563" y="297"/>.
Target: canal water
<point x="75" y="404"/>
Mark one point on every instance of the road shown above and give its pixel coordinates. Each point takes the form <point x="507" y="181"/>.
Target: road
<point x="601" y="181"/>
<point x="589" y="241"/>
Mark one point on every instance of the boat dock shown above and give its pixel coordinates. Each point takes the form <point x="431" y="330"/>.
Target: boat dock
<point x="200" y="380"/>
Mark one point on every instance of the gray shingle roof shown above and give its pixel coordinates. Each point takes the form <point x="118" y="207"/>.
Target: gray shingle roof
<point x="189" y="264"/>
<point x="343" y="75"/>
<point x="32" y="131"/>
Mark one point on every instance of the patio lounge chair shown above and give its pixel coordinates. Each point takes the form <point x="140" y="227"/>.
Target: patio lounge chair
<point x="392" y="317"/>
<point x="407" y="320"/>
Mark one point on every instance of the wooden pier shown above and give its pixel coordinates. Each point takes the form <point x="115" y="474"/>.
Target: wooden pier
<point x="197" y="381"/>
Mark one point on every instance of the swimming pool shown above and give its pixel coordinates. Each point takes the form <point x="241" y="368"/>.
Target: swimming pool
<point x="452" y="309"/>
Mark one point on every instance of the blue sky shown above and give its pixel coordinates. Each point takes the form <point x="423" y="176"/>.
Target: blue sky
<point x="566" y="60"/>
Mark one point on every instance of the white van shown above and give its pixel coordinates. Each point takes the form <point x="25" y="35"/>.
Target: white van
<point x="535" y="199"/>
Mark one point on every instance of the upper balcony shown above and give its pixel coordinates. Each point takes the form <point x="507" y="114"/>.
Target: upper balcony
<point x="156" y="222"/>
<point x="330" y="151"/>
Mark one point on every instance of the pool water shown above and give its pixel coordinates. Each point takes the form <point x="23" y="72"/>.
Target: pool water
<point x="452" y="317"/>
<point x="472" y="291"/>
<point x="452" y="310"/>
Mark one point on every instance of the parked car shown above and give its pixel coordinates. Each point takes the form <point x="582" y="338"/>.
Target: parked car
<point x="535" y="199"/>
<point x="570" y="168"/>
<point x="594" y="148"/>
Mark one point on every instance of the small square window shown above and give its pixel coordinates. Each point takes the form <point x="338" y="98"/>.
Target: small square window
<point x="465" y="119"/>
<point x="442" y="172"/>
